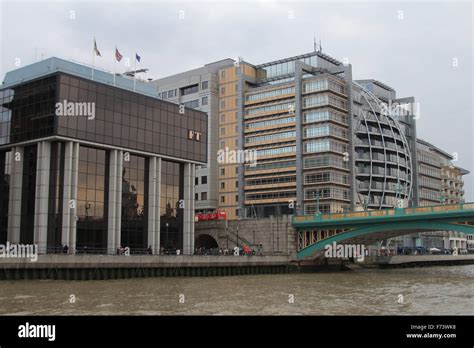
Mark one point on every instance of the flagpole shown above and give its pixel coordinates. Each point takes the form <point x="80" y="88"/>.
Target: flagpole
<point x="134" y="74"/>
<point x="115" y="59"/>
<point x="93" y="58"/>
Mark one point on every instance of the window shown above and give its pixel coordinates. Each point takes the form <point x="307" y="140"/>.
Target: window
<point x="222" y="104"/>
<point x="92" y="197"/>
<point x="223" y="131"/>
<point x="270" y="94"/>
<point x="204" y="101"/>
<point x="196" y="196"/>
<point x="165" y="95"/>
<point x="236" y="170"/>
<point x="236" y="183"/>
<point x="222" y="118"/>
<point x="222" y="171"/>
<point x="204" y="196"/>
<point x="189" y="89"/>
<point x="192" y="104"/>
<point x="222" y="185"/>
<point x="205" y="85"/>
<point x="222" y="199"/>
<point x="223" y="74"/>
<point x="204" y="180"/>
<point x="222" y="90"/>
<point x="236" y="198"/>
<point x="196" y="181"/>
<point x="236" y="87"/>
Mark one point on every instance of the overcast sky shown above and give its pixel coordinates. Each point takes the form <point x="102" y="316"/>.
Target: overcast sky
<point x="422" y="49"/>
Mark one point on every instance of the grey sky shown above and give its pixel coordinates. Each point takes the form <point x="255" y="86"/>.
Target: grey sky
<point x="413" y="54"/>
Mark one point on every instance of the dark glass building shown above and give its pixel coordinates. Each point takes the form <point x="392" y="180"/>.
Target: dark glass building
<point x="94" y="162"/>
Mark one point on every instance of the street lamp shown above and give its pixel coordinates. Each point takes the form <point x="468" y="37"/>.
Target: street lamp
<point x="237" y="236"/>
<point x="442" y="198"/>
<point x="398" y="195"/>
<point x="317" y="203"/>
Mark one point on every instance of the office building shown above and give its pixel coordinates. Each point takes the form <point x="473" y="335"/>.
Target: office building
<point x="95" y="161"/>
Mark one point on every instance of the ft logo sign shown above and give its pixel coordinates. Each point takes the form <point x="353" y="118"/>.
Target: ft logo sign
<point x="193" y="135"/>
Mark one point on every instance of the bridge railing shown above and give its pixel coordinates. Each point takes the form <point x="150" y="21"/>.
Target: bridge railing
<point x="386" y="212"/>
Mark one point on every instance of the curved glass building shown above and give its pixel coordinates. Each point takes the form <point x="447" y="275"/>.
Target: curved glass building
<point x="383" y="163"/>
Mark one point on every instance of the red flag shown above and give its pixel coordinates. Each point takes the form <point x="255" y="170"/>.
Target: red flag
<point x="118" y="56"/>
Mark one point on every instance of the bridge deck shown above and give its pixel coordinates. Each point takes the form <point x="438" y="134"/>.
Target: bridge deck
<point x="386" y="215"/>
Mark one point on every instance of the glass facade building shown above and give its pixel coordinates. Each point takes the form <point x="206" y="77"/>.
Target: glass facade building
<point x="93" y="165"/>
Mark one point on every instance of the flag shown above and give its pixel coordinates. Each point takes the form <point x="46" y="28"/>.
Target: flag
<point x="137" y="57"/>
<point x="118" y="56"/>
<point x="96" y="50"/>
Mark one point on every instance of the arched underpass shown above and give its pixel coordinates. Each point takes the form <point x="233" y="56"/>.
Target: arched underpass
<point x="205" y="241"/>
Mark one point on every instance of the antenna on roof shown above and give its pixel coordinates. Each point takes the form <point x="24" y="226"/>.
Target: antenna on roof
<point x="316" y="47"/>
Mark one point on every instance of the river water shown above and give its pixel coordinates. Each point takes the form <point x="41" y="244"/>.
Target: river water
<point x="424" y="291"/>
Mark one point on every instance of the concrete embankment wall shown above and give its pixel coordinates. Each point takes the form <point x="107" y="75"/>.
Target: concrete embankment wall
<point x="399" y="261"/>
<point x="274" y="233"/>
<point x="97" y="267"/>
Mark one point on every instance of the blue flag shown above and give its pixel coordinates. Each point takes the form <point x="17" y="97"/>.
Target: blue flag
<point x="137" y="57"/>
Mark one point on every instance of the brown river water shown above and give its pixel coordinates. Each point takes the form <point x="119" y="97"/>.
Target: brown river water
<point x="424" y="291"/>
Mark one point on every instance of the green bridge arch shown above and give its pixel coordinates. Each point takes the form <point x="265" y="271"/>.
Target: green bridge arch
<point x="379" y="229"/>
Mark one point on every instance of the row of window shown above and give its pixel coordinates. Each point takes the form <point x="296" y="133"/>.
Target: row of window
<point x="379" y="170"/>
<point x="428" y="158"/>
<point x="192" y="104"/>
<point x="428" y="170"/>
<point x="184" y="91"/>
<point x="324" y="145"/>
<point x="387" y="144"/>
<point x="324" y="115"/>
<point x="273" y="165"/>
<point x="325" y="161"/>
<point x="274" y="136"/>
<point x="323" y="100"/>
<point x="326" y="192"/>
<point x="270" y="181"/>
<point x="271" y="195"/>
<point x="400" y="188"/>
<point x="282" y="107"/>
<point x="377" y="156"/>
<point x="325" y="130"/>
<point x="336" y="177"/>
<point x="270" y="94"/>
<point x="222" y="200"/>
<point x="203" y="180"/>
<point x="203" y="196"/>
<point x="273" y="122"/>
<point x="276" y="151"/>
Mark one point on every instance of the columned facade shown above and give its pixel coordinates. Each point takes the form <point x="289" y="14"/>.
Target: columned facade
<point x="118" y="173"/>
<point x="188" y="219"/>
<point x="42" y="195"/>
<point x="14" y="204"/>
<point x="154" y="189"/>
